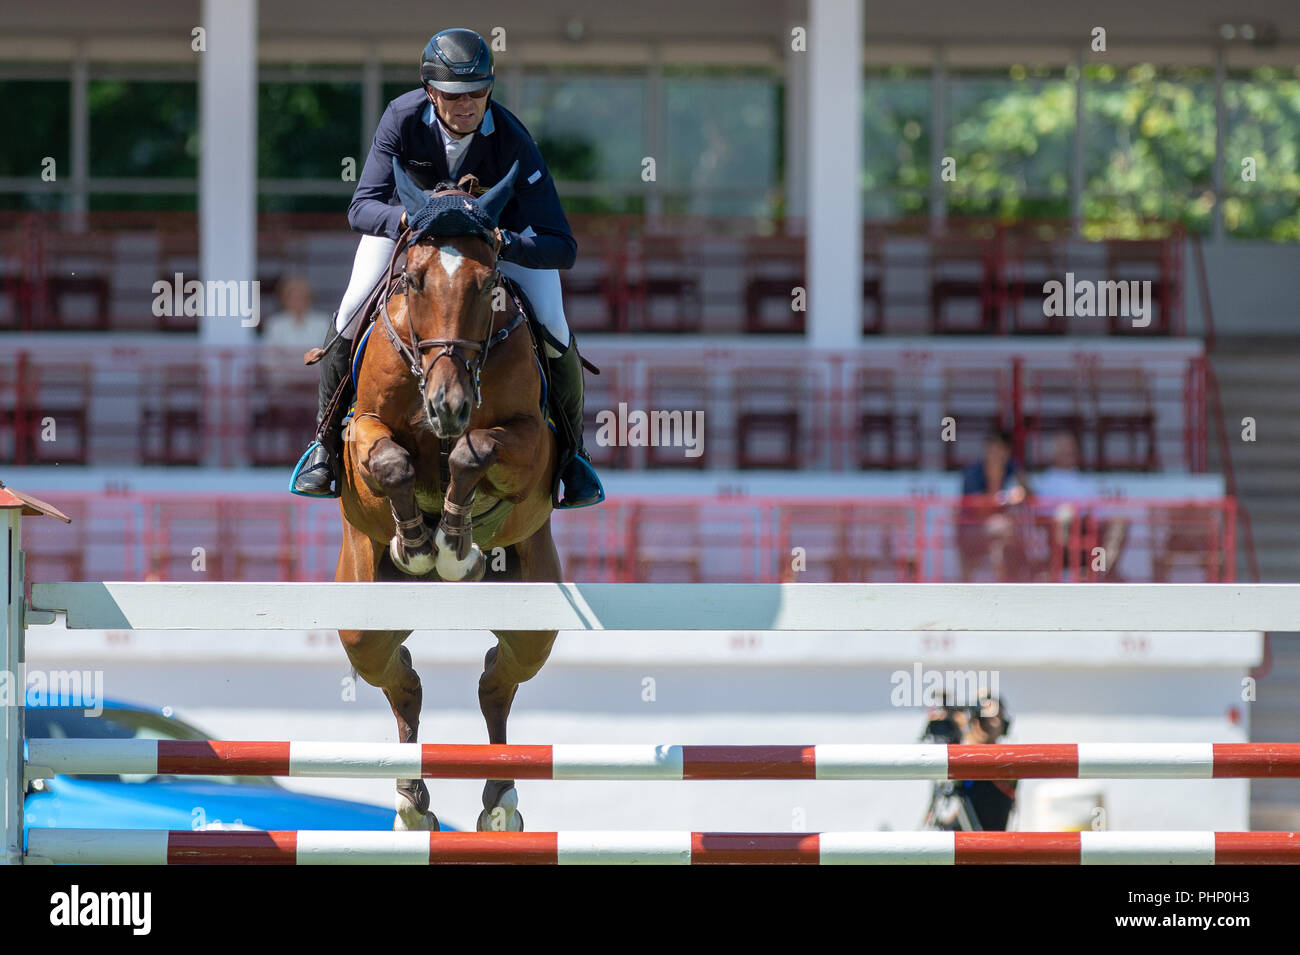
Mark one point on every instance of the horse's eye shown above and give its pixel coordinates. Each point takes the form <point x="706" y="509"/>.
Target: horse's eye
<point x="414" y="281"/>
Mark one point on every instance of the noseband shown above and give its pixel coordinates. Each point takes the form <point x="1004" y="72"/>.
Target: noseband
<point x="469" y="352"/>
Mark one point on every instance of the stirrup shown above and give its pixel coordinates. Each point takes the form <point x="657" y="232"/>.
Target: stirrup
<point x="589" y="476"/>
<point x="297" y="469"/>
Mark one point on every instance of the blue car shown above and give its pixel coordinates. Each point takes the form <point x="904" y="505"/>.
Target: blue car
<point x="170" y="802"/>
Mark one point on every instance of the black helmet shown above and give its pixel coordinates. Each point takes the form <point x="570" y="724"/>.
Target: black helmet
<point x="456" y="61"/>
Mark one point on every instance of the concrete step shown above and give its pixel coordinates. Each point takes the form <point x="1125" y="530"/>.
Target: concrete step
<point x="1271" y="523"/>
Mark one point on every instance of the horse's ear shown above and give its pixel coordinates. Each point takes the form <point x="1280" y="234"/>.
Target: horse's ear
<point x="495" y="199"/>
<point x="413" y="198"/>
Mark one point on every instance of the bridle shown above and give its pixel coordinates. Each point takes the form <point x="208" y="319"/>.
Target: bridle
<point x="472" y="353"/>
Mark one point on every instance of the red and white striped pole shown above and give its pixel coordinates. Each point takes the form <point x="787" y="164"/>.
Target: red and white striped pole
<point x="669" y="762"/>
<point x="322" y="847"/>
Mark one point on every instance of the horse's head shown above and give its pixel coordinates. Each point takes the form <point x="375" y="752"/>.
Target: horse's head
<point x="450" y="277"/>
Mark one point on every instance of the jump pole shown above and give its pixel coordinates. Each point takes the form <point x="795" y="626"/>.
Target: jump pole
<point x="326" y="847"/>
<point x="1167" y="608"/>
<point x="49" y="757"/>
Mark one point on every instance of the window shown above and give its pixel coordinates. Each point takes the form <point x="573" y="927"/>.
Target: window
<point x="143" y="129"/>
<point x="40" y="109"/>
<point x="590" y="127"/>
<point x="1010" y="133"/>
<point x="1149" y="148"/>
<point x="896" y="143"/>
<point x="305" y="129"/>
<point x="722" y="142"/>
<point x="1262" y="124"/>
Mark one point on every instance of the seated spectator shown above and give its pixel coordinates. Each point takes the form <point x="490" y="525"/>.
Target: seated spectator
<point x="986" y="528"/>
<point x="1068" y="488"/>
<point x="297" y="323"/>
<point x="1062" y="478"/>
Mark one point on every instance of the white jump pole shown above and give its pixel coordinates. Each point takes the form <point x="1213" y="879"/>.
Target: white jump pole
<point x="1168" y="608"/>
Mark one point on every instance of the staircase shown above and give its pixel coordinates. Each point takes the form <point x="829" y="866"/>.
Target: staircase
<point x="1262" y="380"/>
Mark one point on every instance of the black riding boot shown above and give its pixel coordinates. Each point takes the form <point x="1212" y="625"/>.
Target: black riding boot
<point x="315" y="475"/>
<point x="582" y="487"/>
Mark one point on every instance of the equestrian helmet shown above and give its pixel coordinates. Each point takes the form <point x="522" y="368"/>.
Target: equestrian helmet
<point x="456" y="61"/>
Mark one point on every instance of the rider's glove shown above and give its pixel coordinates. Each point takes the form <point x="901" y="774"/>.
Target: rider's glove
<point x="509" y="241"/>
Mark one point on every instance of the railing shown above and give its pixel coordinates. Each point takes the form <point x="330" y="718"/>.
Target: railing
<point x="634" y="274"/>
<point x="187" y="536"/>
<point x="891" y="405"/>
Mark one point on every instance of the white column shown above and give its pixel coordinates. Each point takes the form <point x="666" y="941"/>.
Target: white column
<point x="12" y="789"/>
<point x="834" y="167"/>
<point x="228" y="155"/>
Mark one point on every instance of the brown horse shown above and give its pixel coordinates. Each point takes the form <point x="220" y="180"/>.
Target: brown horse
<point x="448" y="384"/>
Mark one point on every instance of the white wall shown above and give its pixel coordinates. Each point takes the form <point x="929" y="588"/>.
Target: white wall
<point x="1254" y="288"/>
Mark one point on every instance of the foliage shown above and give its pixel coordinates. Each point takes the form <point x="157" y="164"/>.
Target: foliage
<point x="143" y="129"/>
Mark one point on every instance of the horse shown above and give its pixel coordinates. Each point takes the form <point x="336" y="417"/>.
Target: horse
<point x="449" y="425"/>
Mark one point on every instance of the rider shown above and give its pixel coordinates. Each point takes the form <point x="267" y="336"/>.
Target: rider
<point x="447" y="129"/>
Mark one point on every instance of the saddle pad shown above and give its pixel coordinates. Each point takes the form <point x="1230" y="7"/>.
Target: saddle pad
<point x="357" y="355"/>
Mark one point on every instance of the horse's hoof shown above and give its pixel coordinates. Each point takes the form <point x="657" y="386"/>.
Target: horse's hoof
<point x="504" y="816"/>
<point x="409" y="818"/>
<point x="413" y="821"/>
<point x="417" y="566"/>
<point x="480" y="566"/>
<point x="473" y="567"/>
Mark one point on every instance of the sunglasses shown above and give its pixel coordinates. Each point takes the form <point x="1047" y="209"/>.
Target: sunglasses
<point x="452" y="97"/>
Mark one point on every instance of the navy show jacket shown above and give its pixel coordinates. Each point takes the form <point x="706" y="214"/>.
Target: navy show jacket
<point x="409" y="130"/>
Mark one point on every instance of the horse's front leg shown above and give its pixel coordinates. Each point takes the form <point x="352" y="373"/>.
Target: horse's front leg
<point x="389" y="469"/>
<point x="517" y="657"/>
<point x="458" y="557"/>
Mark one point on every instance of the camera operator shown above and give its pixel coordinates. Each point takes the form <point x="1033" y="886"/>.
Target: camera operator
<point x="971" y="805"/>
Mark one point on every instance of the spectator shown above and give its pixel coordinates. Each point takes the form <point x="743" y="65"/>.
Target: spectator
<point x="986" y="524"/>
<point x="1063" y="479"/>
<point x="1072" y="492"/>
<point x="297" y="323"/>
<point x="971" y="805"/>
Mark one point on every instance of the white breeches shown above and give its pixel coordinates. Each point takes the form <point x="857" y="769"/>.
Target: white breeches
<point x="368" y="267"/>
<point x="542" y="286"/>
